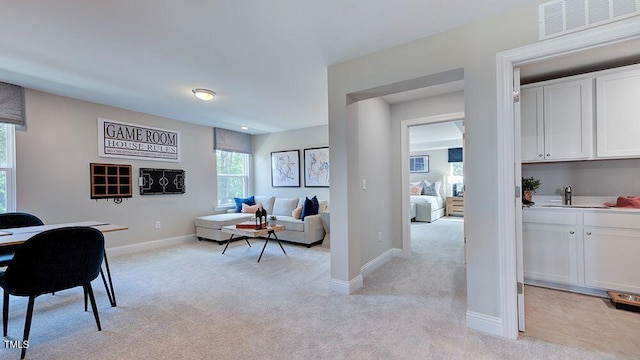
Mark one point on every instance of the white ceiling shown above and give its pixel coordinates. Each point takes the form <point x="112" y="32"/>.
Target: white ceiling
<point x="267" y="60"/>
<point x="436" y="136"/>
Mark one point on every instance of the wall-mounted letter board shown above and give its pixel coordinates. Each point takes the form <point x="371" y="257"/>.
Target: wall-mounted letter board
<point x="161" y="181"/>
<point x="111" y="181"/>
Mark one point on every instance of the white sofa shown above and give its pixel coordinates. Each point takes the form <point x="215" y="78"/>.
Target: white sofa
<point x="305" y="232"/>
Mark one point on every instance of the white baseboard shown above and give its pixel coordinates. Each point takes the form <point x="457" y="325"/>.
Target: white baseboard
<point x="380" y="260"/>
<point x="149" y="245"/>
<point x="346" y="287"/>
<point x="484" y="323"/>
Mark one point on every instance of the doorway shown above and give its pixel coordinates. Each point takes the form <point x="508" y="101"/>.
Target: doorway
<point x="509" y="148"/>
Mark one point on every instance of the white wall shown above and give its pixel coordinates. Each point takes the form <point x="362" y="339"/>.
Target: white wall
<point x="472" y="47"/>
<point x="429" y="106"/>
<point x="52" y="168"/>
<point x="438" y="165"/>
<point x="300" y="139"/>
<point x="377" y="234"/>
<point x="587" y="178"/>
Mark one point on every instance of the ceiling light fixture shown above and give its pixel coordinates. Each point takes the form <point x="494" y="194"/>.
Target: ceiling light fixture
<point x="204" y="94"/>
<point x="244" y="127"/>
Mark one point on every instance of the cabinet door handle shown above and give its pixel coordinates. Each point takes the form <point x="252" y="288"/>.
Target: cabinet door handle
<point x="539" y="155"/>
<point x="588" y="232"/>
<point x="548" y="154"/>
<point x="572" y="232"/>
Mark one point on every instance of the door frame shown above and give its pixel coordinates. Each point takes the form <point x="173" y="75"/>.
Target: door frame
<point x="404" y="169"/>
<point x="623" y="30"/>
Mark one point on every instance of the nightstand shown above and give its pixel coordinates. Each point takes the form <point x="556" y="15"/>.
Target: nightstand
<point x="455" y="205"/>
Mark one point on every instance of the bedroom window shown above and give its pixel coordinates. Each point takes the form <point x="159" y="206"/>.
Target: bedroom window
<point x="7" y="168"/>
<point x="233" y="176"/>
<point x="456" y="178"/>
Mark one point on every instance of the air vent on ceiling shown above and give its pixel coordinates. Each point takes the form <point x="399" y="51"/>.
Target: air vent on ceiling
<point x="561" y="17"/>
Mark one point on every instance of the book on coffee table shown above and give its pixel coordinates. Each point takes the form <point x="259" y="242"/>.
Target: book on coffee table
<point x="250" y="225"/>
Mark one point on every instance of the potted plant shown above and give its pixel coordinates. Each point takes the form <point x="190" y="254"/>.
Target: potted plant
<point x="272" y="220"/>
<point x="529" y="186"/>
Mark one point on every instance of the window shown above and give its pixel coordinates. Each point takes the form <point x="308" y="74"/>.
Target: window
<point x="456" y="178"/>
<point x="7" y="171"/>
<point x="233" y="176"/>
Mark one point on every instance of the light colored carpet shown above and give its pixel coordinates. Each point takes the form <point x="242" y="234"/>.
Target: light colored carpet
<point x="192" y="302"/>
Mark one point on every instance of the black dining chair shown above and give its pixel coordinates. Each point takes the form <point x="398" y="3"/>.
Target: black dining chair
<point x="50" y="261"/>
<point x="15" y="220"/>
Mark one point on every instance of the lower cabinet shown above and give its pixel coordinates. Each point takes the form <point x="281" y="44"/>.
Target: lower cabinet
<point x="550" y="253"/>
<point x="611" y="258"/>
<point x="588" y="249"/>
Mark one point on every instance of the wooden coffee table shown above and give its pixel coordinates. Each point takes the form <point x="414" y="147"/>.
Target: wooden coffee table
<point x="256" y="234"/>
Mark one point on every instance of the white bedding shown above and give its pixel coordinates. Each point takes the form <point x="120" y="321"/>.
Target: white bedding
<point x="428" y="208"/>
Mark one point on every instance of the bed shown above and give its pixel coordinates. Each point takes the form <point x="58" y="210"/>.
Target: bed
<point x="429" y="208"/>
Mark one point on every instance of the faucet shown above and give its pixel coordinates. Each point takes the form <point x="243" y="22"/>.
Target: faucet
<point x="567" y="195"/>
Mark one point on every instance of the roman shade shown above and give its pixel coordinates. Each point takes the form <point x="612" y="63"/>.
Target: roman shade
<point x="12" y="104"/>
<point x="233" y="141"/>
<point x="455" y="155"/>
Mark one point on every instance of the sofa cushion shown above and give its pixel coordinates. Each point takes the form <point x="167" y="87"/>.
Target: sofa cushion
<point x="284" y="206"/>
<point x="251" y="209"/>
<point x="219" y="220"/>
<point x="291" y="223"/>
<point x="311" y="207"/>
<point x="239" y="201"/>
<point x="267" y="202"/>
<point x="297" y="212"/>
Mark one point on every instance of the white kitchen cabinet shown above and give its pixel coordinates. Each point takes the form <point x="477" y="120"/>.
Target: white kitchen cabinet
<point x="550" y="245"/>
<point x="610" y="259"/>
<point x="550" y="253"/>
<point x="618" y="114"/>
<point x="611" y="250"/>
<point x="563" y="130"/>
<point x="532" y="124"/>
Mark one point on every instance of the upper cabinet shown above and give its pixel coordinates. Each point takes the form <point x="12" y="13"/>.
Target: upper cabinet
<point x="557" y="121"/>
<point x="618" y="114"/>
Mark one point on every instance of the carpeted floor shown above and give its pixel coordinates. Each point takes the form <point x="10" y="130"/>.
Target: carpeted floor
<point x="192" y="302"/>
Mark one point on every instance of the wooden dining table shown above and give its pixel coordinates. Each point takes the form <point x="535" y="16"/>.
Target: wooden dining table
<point x="17" y="236"/>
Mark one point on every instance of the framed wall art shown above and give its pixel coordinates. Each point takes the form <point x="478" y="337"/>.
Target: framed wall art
<point x="316" y="167"/>
<point x="161" y="181"/>
<point x="285" y="168"/>
<point x="419" y="163"/>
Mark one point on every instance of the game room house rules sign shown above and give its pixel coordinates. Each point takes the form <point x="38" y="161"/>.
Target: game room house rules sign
<point x="122" y="140"/>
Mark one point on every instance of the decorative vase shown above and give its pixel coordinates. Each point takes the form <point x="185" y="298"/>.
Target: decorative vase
<point x="527" y="195"/>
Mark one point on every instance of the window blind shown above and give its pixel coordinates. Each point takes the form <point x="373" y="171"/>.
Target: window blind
<point x="233" y="141"/>
<point x="12" y="104"/>
<point x="455" y="155"/>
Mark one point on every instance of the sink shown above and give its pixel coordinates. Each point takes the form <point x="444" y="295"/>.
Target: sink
<point x="577" y="206"/>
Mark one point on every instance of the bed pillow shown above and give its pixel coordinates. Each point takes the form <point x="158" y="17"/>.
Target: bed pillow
<point x="239" y="201"/>
<point x="431" y="188"/>
<point x="415" y="188"/>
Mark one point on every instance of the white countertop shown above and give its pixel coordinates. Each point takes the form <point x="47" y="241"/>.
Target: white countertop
<point x="578" y="202"/>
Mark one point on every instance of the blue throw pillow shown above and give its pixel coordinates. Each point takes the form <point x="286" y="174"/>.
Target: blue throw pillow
<point x="251" y="200"/>
<point x="310" y="207"/>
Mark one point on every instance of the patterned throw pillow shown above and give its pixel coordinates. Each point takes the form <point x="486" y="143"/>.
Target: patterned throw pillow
<point x="415" y="188"/>
<point x="430" y="189"/>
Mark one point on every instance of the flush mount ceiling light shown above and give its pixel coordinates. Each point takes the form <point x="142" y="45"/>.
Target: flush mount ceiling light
<point x="204" y="94"/>
<point x="244" y="127"/>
